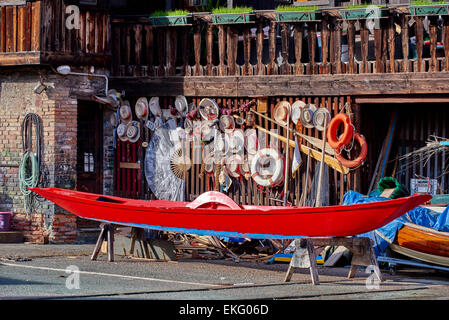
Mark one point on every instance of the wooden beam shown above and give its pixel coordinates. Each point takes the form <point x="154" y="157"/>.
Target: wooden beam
<point x="287" y="85"/>
<point x="19" y="58"/>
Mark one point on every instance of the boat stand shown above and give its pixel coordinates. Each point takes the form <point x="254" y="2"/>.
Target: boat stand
<point x="304" y="255"/>
<point x="106" y="234"/>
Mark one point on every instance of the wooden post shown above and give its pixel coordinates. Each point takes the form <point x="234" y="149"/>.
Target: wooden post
<point x="231" y="53"/>
<point x="405" y="43"/>
<point x="391" y="44"/>
<point x="185" y="55"/>
<point x="378" y="43"/>
<point x="272" y="69"/>
<point x="298" y="36"/>
<point x="260" y="68"/>
<point x="364" y="46"/>
<point x="285" y="36"/>
<point x="198" y="71"/>
<point x="324" y="46"/>
<point x="209" y="49"/>
<point x="221" y="50"/>
<point x="311" y="33"/>
<point x="247" y="68"/>
<point x="419" y="31"/>
<point x="446" y="41"/>
<point x="433" y="43"/>
<point x="336" y="45"/>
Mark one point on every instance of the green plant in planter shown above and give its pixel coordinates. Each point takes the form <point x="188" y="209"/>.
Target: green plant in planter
<point x="296" y="14"/>
<point x="171" y="18"/>
<point x="232" y="15"/>
<point x="363" y="11"/>
<point x="429" y="8"/>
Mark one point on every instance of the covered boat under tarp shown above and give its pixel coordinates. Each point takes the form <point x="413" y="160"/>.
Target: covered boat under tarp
<point x="420" y="217"/>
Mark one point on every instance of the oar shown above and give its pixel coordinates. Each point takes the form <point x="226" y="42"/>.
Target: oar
<point x="313" y="141"/>
<point x="304" y="193"/>
<point x="287" y="159"/>
<point x="317" y="155"/>
<point x="319" y="201"/>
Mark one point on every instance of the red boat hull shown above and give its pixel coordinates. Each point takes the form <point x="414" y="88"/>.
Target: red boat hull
<point x="229" y="219"/>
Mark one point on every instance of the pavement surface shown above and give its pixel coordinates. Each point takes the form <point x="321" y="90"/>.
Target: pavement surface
<point x="65" y="272"/>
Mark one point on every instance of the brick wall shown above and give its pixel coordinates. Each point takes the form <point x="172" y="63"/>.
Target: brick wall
<point x="57" y="109"/>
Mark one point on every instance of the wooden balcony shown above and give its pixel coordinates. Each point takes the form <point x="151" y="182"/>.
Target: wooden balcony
<point x="398" y="43"/>
<point x="35" y="33"/>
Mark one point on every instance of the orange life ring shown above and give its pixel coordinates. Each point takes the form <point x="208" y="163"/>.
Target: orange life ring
<point x="357" y="161"/>
<point x="348" y="132"/>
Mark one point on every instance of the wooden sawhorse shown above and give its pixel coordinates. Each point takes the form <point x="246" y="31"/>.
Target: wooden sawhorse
<point x="304" y="255"/>
<point x="106" y="234"/>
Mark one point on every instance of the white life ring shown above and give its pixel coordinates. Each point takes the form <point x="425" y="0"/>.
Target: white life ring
<point x="270" y="175"/>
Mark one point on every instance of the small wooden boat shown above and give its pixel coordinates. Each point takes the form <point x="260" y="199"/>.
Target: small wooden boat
<point x="423" y="243"/>
<point x="214" y="213"/>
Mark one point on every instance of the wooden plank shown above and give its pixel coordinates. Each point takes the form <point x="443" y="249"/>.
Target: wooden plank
<point x="21" y="27"/>
<point x="209" y="49"/>
<point x="14" y="28"/>
<point x="20" y="58"/>
<point x="171" y="51"/>
<point x="272" y="67"/>
<point x="378" y="33"/>
<point x="405" y="43"/>
<point x="364" y="46"/>
<point x="138" y="47"/>
<point x="221" y="50"/>
<point x="149" y="49"/>
<point x="419" y="32"/>
<point x="446" y="42"/>
<point x="351" y="46"/>
<point x="231" y="52"/>
<point x="247" y="68"/>
<point x="198" y="71"/>
<point x="3" y="29"/>
<point x="325" y="46"/>
<point x="260" y="67"/>
<point x="298" y="37"/>
<point x="285" y="39"/>
<point x="391" y="45"/>
<point x="84" y="38"/>
<point x="28" y="16"/>
<point x="9" y="25"/>
<point x="337" y="48"/>
<point x="100" y="34"/>
<point x="283" y="85"/>
<point x="433" y="43"/>
<point x="312" y="47"/>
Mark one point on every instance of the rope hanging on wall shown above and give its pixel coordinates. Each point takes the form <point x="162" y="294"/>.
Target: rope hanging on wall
<point x="30" y="165"/>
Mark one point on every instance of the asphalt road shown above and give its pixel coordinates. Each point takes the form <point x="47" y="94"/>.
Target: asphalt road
<point x="65" y="272"/>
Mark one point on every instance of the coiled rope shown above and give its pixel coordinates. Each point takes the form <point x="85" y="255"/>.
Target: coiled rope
<point x="29" y="170"/>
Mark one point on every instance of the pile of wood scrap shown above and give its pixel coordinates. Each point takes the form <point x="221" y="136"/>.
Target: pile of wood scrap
<point x="211" y="247"/>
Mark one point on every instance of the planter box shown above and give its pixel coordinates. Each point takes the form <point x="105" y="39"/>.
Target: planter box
<point x="363" y="13"/>
<point x="297" y="16"/>
<point x="228" y="18"/>
<point x="172" y="21"/>
<point x="429" y="10"/>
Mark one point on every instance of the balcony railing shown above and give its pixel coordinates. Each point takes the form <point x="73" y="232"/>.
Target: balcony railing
<point x="397" y="42"/>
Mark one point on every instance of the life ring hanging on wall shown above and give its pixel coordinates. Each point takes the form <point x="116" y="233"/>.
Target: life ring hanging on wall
<point x="348" y="131"/>
<point x="359" y="160"/>
<point x="271" y="176"/>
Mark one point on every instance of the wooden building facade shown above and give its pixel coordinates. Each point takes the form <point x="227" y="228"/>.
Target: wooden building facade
<point x="391" y="75"/>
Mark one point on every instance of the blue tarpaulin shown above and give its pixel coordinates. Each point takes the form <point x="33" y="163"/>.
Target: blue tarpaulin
<point x="382" y="237"/>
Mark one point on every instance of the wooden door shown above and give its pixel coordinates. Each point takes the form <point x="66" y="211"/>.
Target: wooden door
<point x="89" y="151"/>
